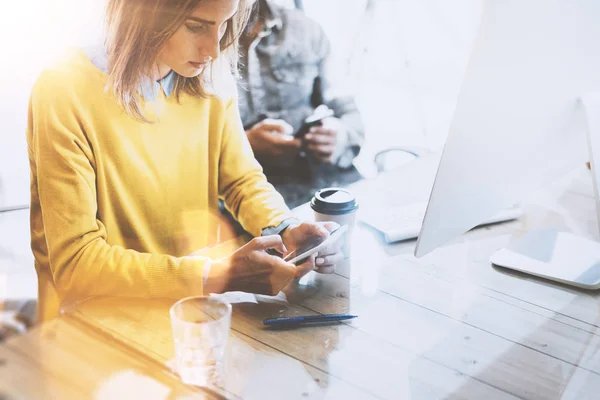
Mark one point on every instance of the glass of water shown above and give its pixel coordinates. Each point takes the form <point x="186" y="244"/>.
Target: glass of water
<point x="200" y="332"/>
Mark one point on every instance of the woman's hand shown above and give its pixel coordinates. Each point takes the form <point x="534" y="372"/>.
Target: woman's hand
<point x="251" y="269"/>
<point x="296" y="236"/>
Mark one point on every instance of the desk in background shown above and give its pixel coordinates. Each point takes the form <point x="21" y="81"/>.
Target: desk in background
<point x="448" y="325"/>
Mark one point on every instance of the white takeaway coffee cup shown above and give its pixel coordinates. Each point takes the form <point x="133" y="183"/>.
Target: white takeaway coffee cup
<point x="337" y="205"/>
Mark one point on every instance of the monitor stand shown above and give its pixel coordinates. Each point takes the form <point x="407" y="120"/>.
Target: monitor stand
<point x="562" y="256"/>
<point x="554" y="255"/>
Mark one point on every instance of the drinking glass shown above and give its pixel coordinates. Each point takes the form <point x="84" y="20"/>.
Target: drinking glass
<point x="200" y="332"/>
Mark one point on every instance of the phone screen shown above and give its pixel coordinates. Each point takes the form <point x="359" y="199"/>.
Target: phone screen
<point x="307" y="248"/>
<point x="305" y="127"/>
<point x="310" y="121"/>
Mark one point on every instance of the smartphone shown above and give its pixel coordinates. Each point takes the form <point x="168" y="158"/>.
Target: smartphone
<point x="300" y="255"/>
<point x="310" y="121"/>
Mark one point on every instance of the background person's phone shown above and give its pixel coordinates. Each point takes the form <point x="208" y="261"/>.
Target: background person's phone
<point x="310" y="121"/>
<point x="300" y="255"/>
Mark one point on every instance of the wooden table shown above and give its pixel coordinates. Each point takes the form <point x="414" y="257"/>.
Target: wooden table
<point x="448" y="325"/>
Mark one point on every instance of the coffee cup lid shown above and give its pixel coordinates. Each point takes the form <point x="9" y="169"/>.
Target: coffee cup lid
<point x="333" y="201"/>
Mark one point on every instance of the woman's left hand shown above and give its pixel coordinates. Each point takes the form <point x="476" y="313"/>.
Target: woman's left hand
<point x="295" y="236"/>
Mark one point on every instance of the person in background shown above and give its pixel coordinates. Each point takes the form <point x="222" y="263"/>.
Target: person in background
<point x="130" y="147"/>
<point x="285" y="74"/>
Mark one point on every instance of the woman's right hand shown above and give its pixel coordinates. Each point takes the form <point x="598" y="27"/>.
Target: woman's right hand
<point x="251" y="269"/>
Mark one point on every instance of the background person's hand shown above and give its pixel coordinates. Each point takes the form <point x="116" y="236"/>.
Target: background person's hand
<point x="322" y="140"/>
<point x="296" y="236"/>
<point x="251" y="269"/>
<point x="271" y="140"/>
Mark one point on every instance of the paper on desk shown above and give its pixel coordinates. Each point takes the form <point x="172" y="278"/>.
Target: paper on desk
<point x="277" y="377"/>
<point x="243" y="297"/>
<point x="254" y="375"/>
<point x="235" y="297"/>
<point x="129" y="384"/>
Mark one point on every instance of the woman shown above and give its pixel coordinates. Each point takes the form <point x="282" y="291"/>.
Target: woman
<point x="130" y="150"/>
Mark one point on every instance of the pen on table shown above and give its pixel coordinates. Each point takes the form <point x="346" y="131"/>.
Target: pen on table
<point x="307" y="319"/>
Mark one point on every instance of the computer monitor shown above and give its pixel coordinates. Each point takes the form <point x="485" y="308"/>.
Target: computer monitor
<point x="522" y="116"/>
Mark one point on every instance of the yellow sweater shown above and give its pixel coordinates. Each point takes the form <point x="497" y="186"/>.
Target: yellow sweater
<point x="117" y="204"/>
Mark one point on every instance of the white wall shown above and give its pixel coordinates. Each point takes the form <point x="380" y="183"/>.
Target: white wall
<point x="409" y="79"/>
<point x="406" y="85"/>
<point x="32" y="34"/>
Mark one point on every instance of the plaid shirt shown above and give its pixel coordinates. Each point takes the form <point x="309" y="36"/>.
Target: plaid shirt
<point x="285" y="73"/>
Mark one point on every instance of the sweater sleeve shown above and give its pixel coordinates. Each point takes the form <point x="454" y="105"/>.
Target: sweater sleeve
<point x="252" y="200"/>
<point x="81" y="260"/>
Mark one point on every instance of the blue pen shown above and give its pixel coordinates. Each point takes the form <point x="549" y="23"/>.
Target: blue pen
<point x="307" y="319"/>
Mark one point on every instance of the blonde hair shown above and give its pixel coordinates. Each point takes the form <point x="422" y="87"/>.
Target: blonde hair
<point x="136" y="32"/>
